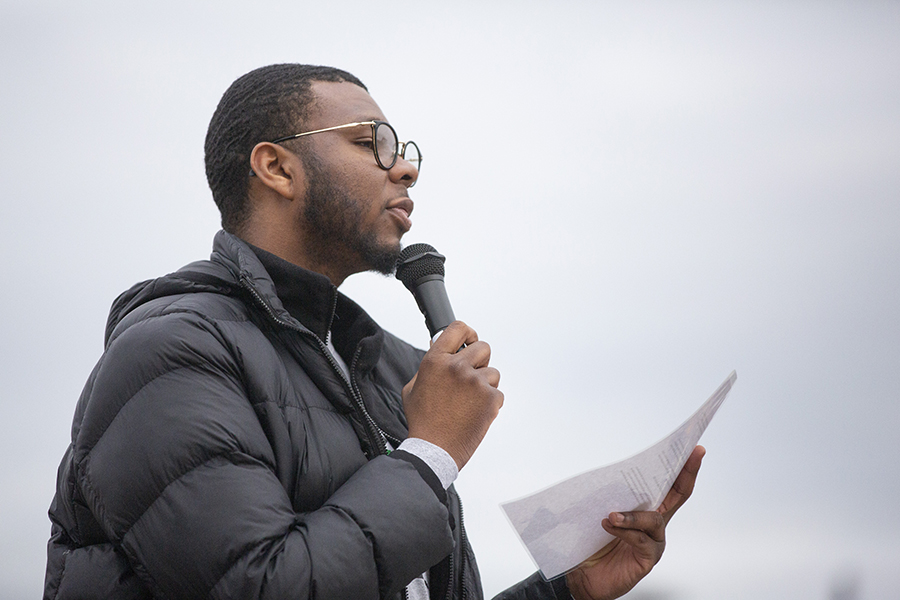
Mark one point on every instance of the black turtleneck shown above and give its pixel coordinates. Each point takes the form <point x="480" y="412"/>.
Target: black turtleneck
<point x="308" y="296"/>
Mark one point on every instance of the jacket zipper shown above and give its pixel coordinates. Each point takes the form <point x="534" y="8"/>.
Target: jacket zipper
<point x="376" y="436"/>
<point x="449" y="593"/>
<point x="380" y="438"/>
<point x="462" y="554"/>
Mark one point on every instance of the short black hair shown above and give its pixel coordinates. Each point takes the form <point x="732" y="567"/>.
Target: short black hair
<point x="262" y="105"/>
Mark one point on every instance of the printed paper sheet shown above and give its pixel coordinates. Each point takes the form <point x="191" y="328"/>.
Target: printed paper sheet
<point x="560" y="526"/>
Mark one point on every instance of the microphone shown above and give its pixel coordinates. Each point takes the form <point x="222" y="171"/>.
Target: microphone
<point x="421" y="269"/>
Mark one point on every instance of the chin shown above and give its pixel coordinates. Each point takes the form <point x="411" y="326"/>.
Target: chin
<point x="383" y="258"/>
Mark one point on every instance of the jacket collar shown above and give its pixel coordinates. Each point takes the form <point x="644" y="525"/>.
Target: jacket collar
<point x="303" y="299"/>
<point x="307" y="296"/>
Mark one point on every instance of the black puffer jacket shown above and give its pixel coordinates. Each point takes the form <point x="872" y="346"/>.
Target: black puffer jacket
<point x="218" y="452"/>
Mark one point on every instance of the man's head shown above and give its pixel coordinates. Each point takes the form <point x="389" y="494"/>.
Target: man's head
<point x="322" y="200"/>
<point x="258" y="107"/>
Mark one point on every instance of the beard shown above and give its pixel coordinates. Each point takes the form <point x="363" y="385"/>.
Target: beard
<point x="334" y="220"/>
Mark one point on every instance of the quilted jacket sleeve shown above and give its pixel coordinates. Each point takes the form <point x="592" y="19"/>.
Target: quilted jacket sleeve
<point x="177" y="470"/>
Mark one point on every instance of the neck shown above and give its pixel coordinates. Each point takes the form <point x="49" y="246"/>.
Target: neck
<point x="295" y="253"/>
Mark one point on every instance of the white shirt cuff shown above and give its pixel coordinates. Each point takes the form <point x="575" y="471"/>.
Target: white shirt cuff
<point x="435" y="457"/>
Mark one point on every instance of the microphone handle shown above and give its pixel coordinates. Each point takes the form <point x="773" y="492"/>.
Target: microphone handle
<point x="431" y="296"/>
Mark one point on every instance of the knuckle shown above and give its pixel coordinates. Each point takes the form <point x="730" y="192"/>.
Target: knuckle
<point x="499" y="398"/>
<point x="459" y="368"/>
<point x="494" y="395"/>
<point x="428" y="360"/>
<point x="461" y="325"/>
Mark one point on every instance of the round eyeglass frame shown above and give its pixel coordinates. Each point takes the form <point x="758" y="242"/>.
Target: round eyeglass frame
<point x="398" y="150"/>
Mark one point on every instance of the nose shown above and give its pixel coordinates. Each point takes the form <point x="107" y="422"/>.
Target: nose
<point x="404" y="172"/>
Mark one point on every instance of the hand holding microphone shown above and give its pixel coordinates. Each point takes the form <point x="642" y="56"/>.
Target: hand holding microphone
<point x="453" y="399"/>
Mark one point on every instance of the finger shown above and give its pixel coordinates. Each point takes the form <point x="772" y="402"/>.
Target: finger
<point x="683" y="486"/>
<point x="642" y="543"/>
<point x="455" y="335"/>
<point x="647" y="522"/>
<point x="477" y="354"/>
<point x="492" y="376"/>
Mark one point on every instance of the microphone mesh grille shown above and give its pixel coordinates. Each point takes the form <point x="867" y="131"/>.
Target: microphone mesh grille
<point x="417" y="261"/>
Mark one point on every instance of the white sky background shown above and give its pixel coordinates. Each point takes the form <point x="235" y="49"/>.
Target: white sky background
<point x="634" y="200"/>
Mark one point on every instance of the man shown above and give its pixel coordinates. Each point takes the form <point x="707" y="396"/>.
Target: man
<point x="249" y="432"/>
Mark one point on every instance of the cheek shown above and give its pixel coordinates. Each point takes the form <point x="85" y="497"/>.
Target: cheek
<point x="363" y="190"/>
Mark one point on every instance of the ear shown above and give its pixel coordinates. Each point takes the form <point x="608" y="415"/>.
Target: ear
<point x="278" y="169"/>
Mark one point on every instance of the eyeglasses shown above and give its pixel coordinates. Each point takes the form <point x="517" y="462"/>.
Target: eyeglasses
<point x="386" y="146"/>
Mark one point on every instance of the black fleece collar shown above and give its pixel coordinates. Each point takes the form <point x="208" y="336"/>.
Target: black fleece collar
<point x="315" y="302"/>
<point x="308" y="296"/>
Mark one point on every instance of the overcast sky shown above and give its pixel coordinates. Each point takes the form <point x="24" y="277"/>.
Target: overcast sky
<point x="634" y="199"/>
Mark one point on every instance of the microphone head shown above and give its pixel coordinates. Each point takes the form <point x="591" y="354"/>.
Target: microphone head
<point x="417" y="261"/>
